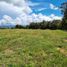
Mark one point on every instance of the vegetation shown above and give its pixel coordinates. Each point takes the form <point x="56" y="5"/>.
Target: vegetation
<point x="55" y="24"/>
<point x="64" y="11"/>
<point x="33" y="48"/>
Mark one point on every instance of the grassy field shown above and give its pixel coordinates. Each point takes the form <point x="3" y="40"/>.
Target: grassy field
<point x="33" y="48"/>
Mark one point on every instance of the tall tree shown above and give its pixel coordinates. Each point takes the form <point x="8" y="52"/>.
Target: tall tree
<point x="64" y="12"/>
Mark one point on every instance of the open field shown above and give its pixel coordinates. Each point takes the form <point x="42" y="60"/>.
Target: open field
<point x="33" y="48"/>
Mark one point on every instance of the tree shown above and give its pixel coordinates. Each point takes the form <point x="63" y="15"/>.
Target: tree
<point x="56" y="24"/>
<point x="64" y="12"/>
<point x="43" y="24"/>
<point x="19" y="26"/>
<point x="34" y="25"/>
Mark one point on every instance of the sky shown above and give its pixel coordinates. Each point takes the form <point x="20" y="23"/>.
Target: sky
<point x="24" y="12"/>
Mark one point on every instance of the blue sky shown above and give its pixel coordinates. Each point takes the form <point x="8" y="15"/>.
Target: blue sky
<point x="26" y="11"/>
<point x="45" y="4"/>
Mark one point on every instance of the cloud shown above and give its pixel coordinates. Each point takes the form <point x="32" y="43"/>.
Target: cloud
<point x="7" y="21"/>
<point x="54" y="17"/>
<point x="33" y="4"/>
<point x="12" y="9"/>
<point x="41" y="9"/>
<point x="40" y="17"/>
<point x="26" y="19"/>
<point x="15" y="2"/>
<point x="53" y="7"/>
<point x="22" y="12"/>
<point x="6" y="0"/>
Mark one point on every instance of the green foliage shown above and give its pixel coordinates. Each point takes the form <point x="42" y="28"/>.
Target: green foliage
<point x="55" y="24"/>
<point x="33" y="48"/>
<point x="19" y="26"/>
<point x="64" y="11"/>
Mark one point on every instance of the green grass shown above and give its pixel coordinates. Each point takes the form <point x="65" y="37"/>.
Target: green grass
<point x="33" y="48"/>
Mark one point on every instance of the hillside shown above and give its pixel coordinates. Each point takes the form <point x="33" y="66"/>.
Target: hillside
<point x="33" y="48"/>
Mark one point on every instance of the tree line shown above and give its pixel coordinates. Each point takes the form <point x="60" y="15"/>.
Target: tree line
<point x="55" y="24"/>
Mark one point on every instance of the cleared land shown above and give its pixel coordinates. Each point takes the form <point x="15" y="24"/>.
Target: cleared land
<point x="33" y="48"/>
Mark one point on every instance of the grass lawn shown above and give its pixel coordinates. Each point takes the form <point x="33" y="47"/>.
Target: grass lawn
<point x="33" y="48"/>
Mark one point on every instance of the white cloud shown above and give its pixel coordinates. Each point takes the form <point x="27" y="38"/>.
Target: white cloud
<point x="53" y="7"/>
<point x="33" y="4"/>
<point x="54" y="17"/>
<point x="26" y="19"/>
<point x="24" y="12"/>
<point x="21" y="2"/>
<point x="6" y="21"/>
<point x="15" y="2"/>
<point x="41" y="9"/>
<point x="10" y="8"/>
<point x="40" y="17"/>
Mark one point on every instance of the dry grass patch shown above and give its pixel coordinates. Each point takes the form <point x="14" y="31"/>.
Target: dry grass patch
<point x="65" y="40"/>
<point x="63" y="51"/>
<point x="8" y="52"/>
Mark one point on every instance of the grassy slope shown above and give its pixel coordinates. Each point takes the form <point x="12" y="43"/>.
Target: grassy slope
<point x="33" y="48"/>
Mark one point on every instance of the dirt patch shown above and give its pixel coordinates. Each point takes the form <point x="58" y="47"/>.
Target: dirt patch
<point x="65" y="40"/>
<point x="63" y="51"/>
<point x="8" y="52"/>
